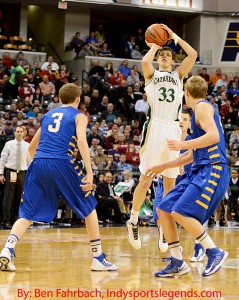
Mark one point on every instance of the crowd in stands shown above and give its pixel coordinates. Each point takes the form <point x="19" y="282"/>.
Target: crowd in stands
<point x="116" y="106"/>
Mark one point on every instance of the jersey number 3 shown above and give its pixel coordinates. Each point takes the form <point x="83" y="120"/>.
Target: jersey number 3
<point x="167" y="95"/>
<point x="56" y="122"/>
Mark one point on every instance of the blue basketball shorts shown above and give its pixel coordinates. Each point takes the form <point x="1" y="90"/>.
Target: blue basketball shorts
<point x="46" y="181"/>
<point x="198" y="195"/>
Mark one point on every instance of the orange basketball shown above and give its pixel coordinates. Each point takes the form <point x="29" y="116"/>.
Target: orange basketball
<point x="156" y="34"/>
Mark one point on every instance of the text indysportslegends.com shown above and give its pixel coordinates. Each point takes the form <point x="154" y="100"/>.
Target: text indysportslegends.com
<point x="121" y="294"/>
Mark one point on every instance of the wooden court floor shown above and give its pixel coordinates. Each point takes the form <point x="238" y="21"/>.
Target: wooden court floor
<point x="55" y="264"/>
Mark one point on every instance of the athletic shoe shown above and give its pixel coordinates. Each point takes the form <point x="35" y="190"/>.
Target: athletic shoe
<point x="133" y="235"/>
<point x="177" y="267"/>
<point x="101" y="264"/>
<point x="162" y="243"/>
<point x="199" y="253"/>
<point x="216" y="258"/>
<point x="6" y="260"/>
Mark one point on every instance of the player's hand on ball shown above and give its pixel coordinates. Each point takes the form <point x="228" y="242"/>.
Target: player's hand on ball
<point x="153" y="171"/>
<point x="170" y="32"/>
<point x="174" y="145"/>
<point x="150" y="45"/>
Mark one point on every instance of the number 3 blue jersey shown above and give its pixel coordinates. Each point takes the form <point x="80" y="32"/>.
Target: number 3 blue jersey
<point x="58" y="127"/>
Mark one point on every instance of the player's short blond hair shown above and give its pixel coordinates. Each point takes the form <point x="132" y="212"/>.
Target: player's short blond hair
<point x="197" y="87"/>
<point x="69" y="92"/>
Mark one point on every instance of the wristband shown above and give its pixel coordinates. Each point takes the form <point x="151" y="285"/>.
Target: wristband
<point x="175" y="37"/>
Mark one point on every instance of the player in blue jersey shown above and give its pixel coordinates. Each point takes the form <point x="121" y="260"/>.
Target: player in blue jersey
<point x="54" y="173"/>
<point x="194" y="200"/>
<point x="185" y="172"/>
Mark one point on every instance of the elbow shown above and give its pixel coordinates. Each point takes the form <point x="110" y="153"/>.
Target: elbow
<point x="194" y="54"/>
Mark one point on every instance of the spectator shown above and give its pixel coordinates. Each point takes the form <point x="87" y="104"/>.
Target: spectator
<point x="93" y="42"/>
<point x="85" y="51"/>
<point x="10" y="89"/>
<point x="124" y="69"/>
<point x="100" y="157"/>
<point x="110" y="165"/>
<point x="94" y="134"/>
<point x="216" y="76"/>
<point x="135" y="53"/>
<point x="142" y="109"/>
<point x="132" y="156"/>
<point x="9" y="132"/>
<point x="122" y="165"/>
<point x="109" y="115"/>
<point x="233" y="158"/>
<point x="205" y="75"/>
<point x="130" y="44"/>
<point x="180" y="56"/>
<point x="30" y="136"/>
<point x="100" y="35"/>
<point x="96" y="73"/>
<point x="102" y="106"/>
<point x="127" y="194"/>
<point x="234" y="138"/>
<point x="25" y="91"/>
<point x="93" y="147"/>
<point x="132" y="78"/>
<point x="77" y="43"/>
<point x="55" y="103"/>
<point x="50" y="62"/>
<point x="105" y="52"/>
<point x="108" y="200"/>
<point x="47" y="88"/>
<point x="222" y="81"/>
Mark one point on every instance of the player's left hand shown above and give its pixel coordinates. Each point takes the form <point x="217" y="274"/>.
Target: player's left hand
<point x="153" y="171"/>
<point x="87" y="186"/>
<point x="174" y="145"/>
<point x="170" y="32"/>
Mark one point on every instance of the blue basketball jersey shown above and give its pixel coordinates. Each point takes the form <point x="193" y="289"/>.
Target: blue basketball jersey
<point x="214" y="154"/>
<point x="58" y="127"/>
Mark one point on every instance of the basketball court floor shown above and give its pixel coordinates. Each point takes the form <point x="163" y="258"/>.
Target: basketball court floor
<point x="55" y="264"/>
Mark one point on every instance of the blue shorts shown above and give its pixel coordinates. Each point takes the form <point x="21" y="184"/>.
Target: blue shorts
<point x="198" y="195"/>
<point x="46" y="180"/>
<point x="158" y="198"/>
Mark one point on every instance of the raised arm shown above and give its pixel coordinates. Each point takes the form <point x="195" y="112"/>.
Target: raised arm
<point x="189" y="61"/>
<point x="147" y="66"/>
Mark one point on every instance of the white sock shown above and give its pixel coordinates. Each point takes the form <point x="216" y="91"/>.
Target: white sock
<point x="11" y="241"/>
<point x="96" y="247"/>
<point x="175" y="250"/>
<point x="134" y="217"/>
<point x="205" y="240"/>
<point x="229" y="223"/>
<point x="217" y="224"/>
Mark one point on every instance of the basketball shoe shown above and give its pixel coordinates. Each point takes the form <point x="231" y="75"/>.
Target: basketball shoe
<point x="199" y="253"/>
<point x="6" y="259"/>
<point x="162" y="243"/>
<point x="101" y="264"/>
<point x="216" y="258"/>
<point x="133" y="235"/>
<point x="177" y="267"/>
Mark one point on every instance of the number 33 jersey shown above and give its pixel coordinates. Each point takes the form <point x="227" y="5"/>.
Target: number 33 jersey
<point x="58" y="127"/>
<point x="165" y="92"/>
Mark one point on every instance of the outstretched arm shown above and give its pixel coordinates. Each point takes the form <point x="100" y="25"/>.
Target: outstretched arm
<point x="184" y="159"/>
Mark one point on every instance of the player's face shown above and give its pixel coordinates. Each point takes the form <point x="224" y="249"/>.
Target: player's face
<point x="184" y="122"/>
<point x="165" y="59"/>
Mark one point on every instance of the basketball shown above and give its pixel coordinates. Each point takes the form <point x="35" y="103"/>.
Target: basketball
<point x="156" y="34"/>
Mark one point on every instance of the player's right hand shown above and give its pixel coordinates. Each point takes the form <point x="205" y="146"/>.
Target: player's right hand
<point x="150" y="45"/>
<point x="153" y="171"/>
